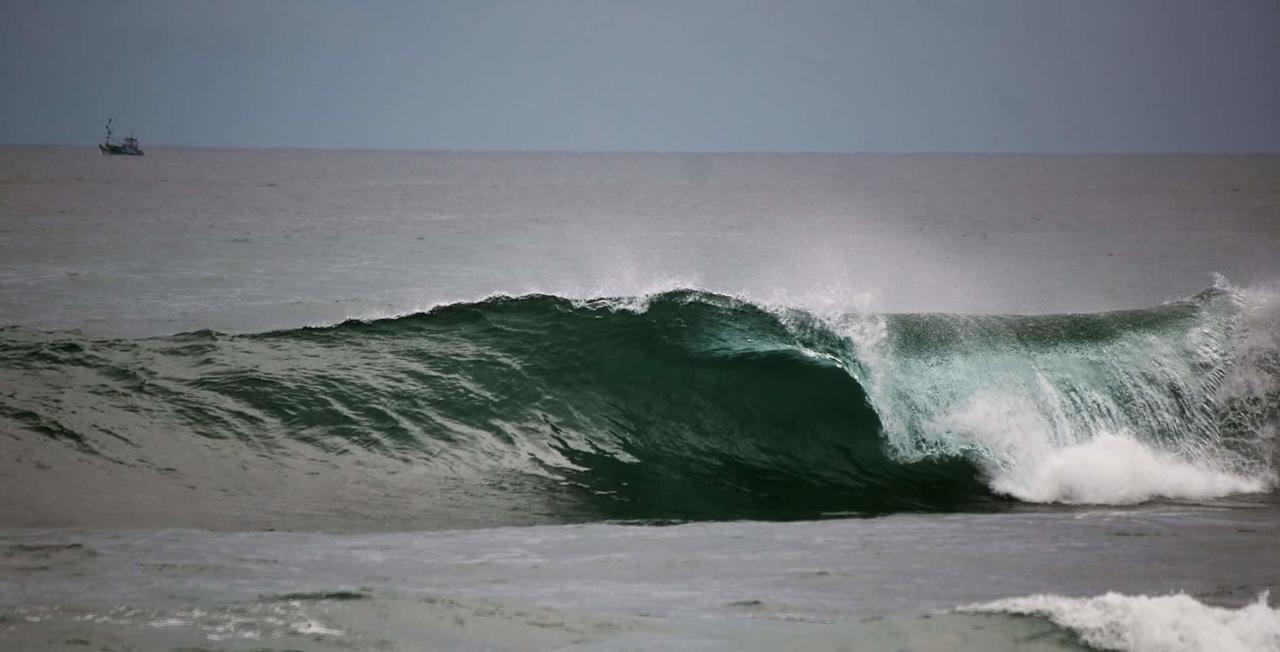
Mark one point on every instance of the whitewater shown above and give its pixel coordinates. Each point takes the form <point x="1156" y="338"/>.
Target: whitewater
<point x="338" y="400"/>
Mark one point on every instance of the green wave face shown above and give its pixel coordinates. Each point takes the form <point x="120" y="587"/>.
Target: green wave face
<point x="695" y="406"/>
<point x="683" y="405"/>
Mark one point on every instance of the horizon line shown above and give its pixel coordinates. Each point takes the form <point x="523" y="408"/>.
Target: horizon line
<point x="710" y="152"/>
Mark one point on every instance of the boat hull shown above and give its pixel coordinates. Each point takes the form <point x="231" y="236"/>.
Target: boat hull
<point x="118" y="150"/>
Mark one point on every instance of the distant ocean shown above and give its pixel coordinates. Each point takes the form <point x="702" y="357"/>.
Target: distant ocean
<point x="295" y="399"/>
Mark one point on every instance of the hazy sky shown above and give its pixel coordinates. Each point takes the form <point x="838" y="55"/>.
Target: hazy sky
<point x="897" y="75"/>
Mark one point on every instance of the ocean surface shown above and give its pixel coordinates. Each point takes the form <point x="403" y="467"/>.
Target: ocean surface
<point x="295" y="399"/>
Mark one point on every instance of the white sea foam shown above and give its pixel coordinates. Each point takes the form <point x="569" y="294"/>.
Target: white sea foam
<point x="1026" y="460"/>
<point x="1169" y="623"/>
<point x="1116" y="470"/>
<point x="313" y="628"/>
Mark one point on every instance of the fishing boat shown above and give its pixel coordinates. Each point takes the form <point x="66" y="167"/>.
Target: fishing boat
<point x="128" y="148"/>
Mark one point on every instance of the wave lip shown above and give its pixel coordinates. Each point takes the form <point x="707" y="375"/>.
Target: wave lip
<point x="1141" y="623"/>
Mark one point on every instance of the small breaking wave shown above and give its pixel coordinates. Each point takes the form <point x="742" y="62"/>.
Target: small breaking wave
<point x="1140" y="623"/>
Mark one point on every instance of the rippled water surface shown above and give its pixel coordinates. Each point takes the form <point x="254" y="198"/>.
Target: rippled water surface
<point x="344" y="400"/>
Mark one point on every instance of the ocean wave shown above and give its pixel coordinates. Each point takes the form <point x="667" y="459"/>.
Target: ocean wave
<point x="689" y="404"/>
<point x="1140" y="623"/>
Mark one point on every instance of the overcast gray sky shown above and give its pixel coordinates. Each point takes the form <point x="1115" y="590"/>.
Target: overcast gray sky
<point x="693" y="75"/>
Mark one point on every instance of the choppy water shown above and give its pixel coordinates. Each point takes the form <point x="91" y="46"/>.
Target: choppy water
<point x="1012" y="362"/>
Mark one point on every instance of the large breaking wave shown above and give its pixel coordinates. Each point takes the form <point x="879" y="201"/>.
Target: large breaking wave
<point x="689" y="404"/>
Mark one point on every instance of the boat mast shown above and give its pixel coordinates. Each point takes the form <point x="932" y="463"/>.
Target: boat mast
<point x="108" y="131"/>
